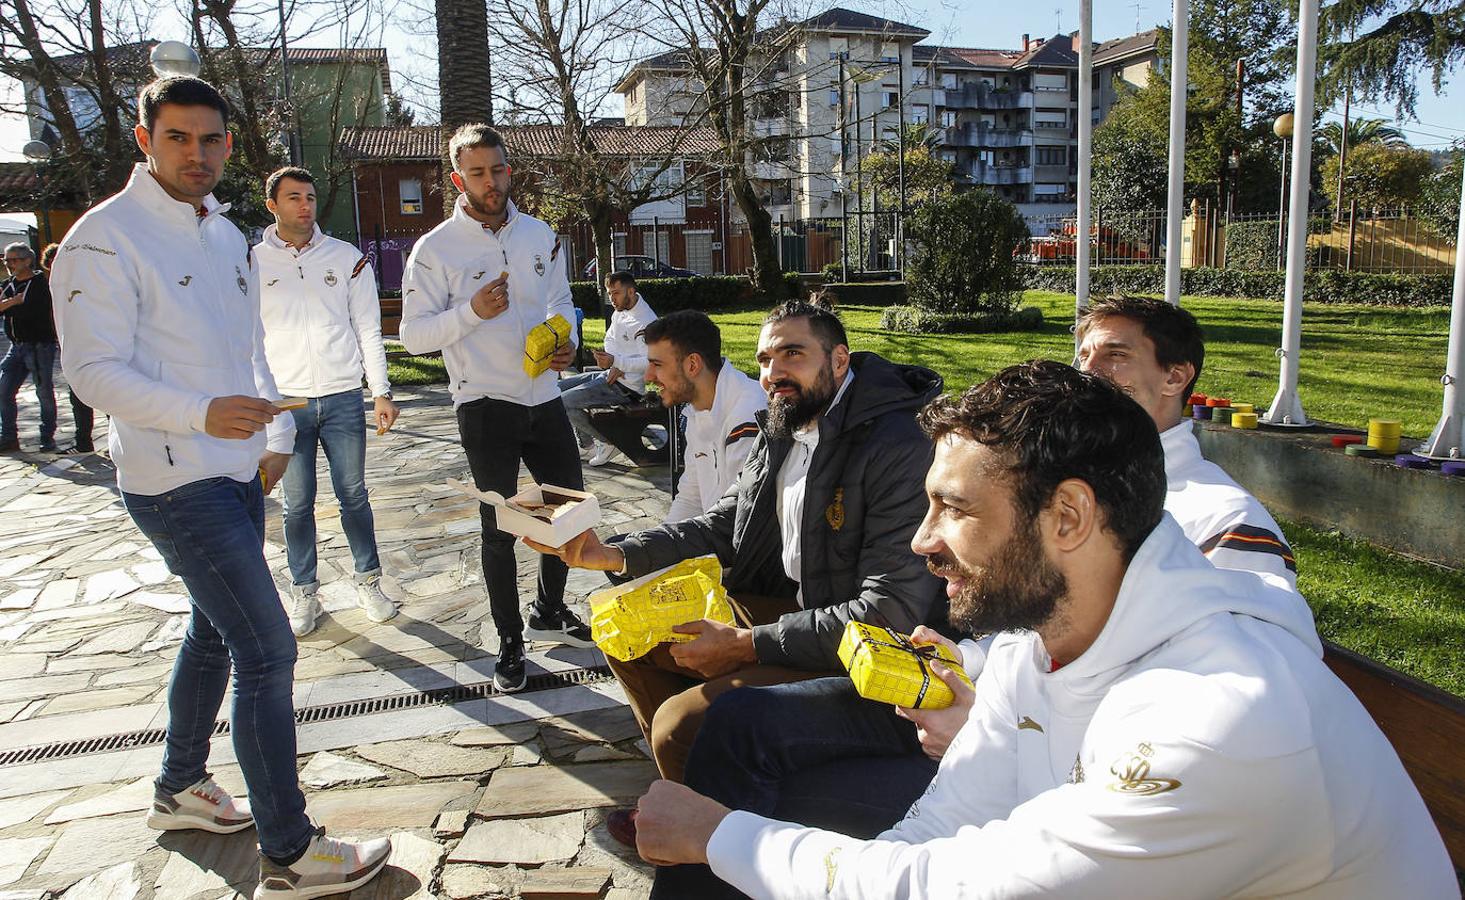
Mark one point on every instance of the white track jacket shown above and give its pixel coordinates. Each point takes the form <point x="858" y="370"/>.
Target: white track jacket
<point x="1199" y="748"/>
<point x="322" y="317"/>
<point x="485" y="356"/>
<point x="718" y="440"/>
<point x="158" y="310"/>
<point x="625" y="342"/>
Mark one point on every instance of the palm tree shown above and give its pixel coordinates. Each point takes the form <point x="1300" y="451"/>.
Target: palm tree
<point x="1362" y="131"/>
<point x="464" y="76"/>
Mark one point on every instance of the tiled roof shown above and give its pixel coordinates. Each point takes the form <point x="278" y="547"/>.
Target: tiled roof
<point x="1055" y="51"/>
<point x="423" y="142"/>
<point x="136" y="55"/>
<point x="1134" y="45"/>
<point x="17" y="177"/>
<point x="840" y="19"/>
<point x="985" y="58"/>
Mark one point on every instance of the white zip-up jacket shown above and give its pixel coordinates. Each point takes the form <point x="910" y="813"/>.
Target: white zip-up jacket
<point x="485" y="356"/>
<point x="718" y="440"/>
<point x="158" y="311"/>
<point x="1221" y="517"/>
<point x="625" y="342"/>
<point x="322" y="317"/>
<point x="1199" y="748"/>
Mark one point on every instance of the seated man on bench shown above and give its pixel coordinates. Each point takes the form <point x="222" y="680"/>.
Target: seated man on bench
<point x="620" y="379"/>
<point x="1146" y="724"/>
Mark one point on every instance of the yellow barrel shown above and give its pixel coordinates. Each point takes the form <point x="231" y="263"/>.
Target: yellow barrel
<point x="1243" y="407"/>
<point x="1384" y="434"/>
<point x="1243" y="420"/>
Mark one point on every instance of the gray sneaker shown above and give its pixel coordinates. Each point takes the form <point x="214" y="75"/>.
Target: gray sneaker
<point x="378" y="606"/>
<point x="203" y="806"/>
<point x="304" y="608"/>
<point x="328" y="867"/>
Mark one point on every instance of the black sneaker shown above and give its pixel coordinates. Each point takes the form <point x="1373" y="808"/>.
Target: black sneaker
<point x="508" y="672"/>
<point x="12" y="446"/>
<point x="560" y="626"/>
<point x="49" y="447"/>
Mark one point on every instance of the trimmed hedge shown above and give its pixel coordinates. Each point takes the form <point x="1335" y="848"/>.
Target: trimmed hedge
<point x="914" y="320"/>
<point x="1252" y="245"/>
<point x="873" y="293"/>
<point x="704" y="292"/>
<point x="1327" y="286"/>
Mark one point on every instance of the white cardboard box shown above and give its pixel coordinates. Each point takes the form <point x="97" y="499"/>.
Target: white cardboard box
<point x="578" y="514"/>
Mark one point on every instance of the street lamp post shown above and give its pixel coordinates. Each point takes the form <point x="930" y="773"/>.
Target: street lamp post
<point x="1282" y="128"/>
<point x="37" y="152"/>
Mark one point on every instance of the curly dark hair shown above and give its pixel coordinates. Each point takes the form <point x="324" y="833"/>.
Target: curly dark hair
<point x="1048" y="422"/>
<point x="823" y="321"/>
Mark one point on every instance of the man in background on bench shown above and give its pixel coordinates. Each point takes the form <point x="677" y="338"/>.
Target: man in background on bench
<point x="1146" y="725"/>
<point x="684" y="360"/>
<point x="621" y="379"/>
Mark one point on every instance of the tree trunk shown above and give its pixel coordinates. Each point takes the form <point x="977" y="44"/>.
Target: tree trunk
<point x="56" y="102"/>
<point x="465" y="88"/>
<point x="767" y="274"/>
<point x="116" y="155"/>
<point x="600" y="227"/>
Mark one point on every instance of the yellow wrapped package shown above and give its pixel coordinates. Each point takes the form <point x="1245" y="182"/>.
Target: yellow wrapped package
<point x="887" y="667"/>
<point x="627" y="620"/>
<point x="542" y="342"/>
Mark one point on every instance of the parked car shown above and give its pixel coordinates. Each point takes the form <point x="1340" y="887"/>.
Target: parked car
<point x="641" y="267"/>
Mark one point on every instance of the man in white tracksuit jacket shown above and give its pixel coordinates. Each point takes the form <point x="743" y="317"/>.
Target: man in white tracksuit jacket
<point x="322" y="322"/>
<point x="157" y="301"/>
<point x="684" y="360"/>
<point x="1149" y="725"/>
<point x="621" y="377"/>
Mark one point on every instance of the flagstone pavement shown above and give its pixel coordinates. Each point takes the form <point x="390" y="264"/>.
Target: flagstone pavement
<point x="484" y="797"/>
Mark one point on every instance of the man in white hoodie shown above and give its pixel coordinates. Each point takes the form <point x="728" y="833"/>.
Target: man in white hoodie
<point x="1146" y="725"/>
<point x="474" y="288"/>
<point x="157" y="300"/>
<point x="322" y="322"/>
<point x="684" y="360"/>
<point x="621" y="377"/>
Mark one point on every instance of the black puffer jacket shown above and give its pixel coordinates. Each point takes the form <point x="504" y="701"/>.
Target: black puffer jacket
<point x="864" y="498"/>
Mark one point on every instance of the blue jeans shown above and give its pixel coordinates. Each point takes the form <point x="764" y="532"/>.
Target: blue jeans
<point x="337" y="423"/>
<point x="811" y="752"/>
<point x="589" y="389"/>
<point x="211" y="534"/>
<point x="38" y="360"/>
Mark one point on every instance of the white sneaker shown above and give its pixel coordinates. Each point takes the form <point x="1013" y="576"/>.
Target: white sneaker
<point x="589" y="449"/>
<point x="602" y="454"/>
<point x="304" y="608"/>
<point x="328" y="867"/>
<point x="204" y="806"/>
<point x="379" y="607"/>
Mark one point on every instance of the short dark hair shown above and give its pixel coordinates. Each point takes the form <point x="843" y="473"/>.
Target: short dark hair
<point x="1176" y="334"/>
<point x="1048" y="422"/>
<point x="182" y="90"/>
<point x="822" y="321"/>
<point x="621" y="276"/>
<point x="48" y="253"/>
<point x="475" y="134"/>
<point x="690" y="331"/>
<point x="272" y="183"/>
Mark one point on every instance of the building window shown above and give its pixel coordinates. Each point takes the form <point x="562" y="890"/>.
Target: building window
<point x="920" y="113"/>
<point x="1052" y="156"/>
<point x="1050" y="82"/>
<point x="696" y="193"/>
<point x="948" y="81"/>
<point x="409" y="192"/>
<point x="922" y="77"/>
<point x="1050" y="118"/>
<point x="948" y="118"/>
<point x="1050" y="190"/>
<point x="834" y="95"/>
<point x="889" y="99"/>
<point x="838" y="48"/>
<point x="780" y="192"/>
<point x="890" y="53"/>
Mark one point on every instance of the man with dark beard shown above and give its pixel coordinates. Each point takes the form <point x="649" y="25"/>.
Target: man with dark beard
<point x="474" y="287"/>
<point x="815" y="533"/>
<point x="1147" y="725"/>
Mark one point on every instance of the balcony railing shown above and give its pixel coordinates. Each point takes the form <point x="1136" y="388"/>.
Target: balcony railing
<point x="976" y="95"/>
<point x="995" y="174"/>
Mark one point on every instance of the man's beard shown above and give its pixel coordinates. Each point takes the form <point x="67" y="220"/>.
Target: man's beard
<point x="1020" y="589"/>
<point x="789" y="414"/>
<point x="482" y="207"/>
<point x="675" y="392"/>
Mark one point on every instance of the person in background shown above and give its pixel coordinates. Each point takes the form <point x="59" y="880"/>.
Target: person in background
<point x="81" y="415"/>
<point x="684" y="361"/>
<point x="159" y="318"/>
<point x="621" y="380"/>
<point x="323" y="331"/>
<point x="25" y="306"/>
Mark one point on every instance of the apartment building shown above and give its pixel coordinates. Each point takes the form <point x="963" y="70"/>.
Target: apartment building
<point x="843" y="81"/>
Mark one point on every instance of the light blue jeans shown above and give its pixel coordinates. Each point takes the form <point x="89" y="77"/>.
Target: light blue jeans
<point x="37" y="360"/>
<point x="587" y="390"/>
<point x="337" y="424"/>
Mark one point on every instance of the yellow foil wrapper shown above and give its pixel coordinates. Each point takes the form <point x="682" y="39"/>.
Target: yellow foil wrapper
<point x="542" y="342"/>
<point x="887" y="667"/>
<point x="627" y="620"/>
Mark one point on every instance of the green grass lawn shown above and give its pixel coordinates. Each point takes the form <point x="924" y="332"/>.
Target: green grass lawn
<point x="1357" y="363"/>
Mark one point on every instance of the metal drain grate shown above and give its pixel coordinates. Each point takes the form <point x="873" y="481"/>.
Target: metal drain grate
<point x="444" y="696"/>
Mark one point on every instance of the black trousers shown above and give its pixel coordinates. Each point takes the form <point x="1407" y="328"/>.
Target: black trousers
<point x="81" y="414"/>
<point x="497" y="435"/>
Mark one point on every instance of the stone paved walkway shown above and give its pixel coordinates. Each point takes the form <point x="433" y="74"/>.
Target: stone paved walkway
<point x="490" y="797"/>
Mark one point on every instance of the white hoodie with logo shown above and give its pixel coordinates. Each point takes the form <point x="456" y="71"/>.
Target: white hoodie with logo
<point x="718" y="440"/>
<point x="322" y="316"/>
<point x="1199" y="748"/>
<point x="485" y="357"/>
<point x="158" y="311"/>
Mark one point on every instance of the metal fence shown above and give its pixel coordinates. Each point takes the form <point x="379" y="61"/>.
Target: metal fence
<point x="1396" y="241"/>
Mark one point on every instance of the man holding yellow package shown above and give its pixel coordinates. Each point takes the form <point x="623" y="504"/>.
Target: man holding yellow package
<point x="482" y="287"/>
<point x="815" y="533"/>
